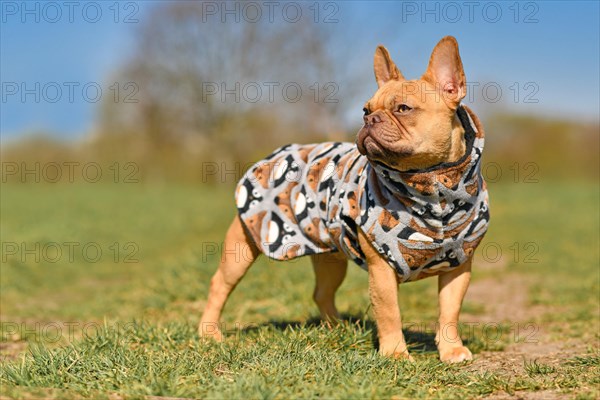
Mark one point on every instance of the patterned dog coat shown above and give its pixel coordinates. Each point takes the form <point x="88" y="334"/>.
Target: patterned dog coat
<point x="310" y="199"/>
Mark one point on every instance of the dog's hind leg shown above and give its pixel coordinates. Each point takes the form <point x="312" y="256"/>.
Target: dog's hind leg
<point x="237" y="255"/>
<point x="330" y="271"/>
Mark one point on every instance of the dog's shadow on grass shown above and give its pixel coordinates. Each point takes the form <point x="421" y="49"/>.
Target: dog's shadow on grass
<point x="419" y="339"/>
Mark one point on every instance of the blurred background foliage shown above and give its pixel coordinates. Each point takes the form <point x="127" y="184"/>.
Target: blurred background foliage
<point x="182" y="124"/>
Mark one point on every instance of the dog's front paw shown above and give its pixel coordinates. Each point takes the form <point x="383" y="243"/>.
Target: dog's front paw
<point x="405" y="355"/>
<point x="210" y="330"/>
<point x="456" y="355"/>
<point x="396" y="352"/>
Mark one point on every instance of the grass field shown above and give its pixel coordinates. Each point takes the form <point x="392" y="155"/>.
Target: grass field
<point x="102" y="287"/>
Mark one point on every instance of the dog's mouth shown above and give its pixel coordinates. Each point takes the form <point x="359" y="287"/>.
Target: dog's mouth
<point x="369" y="146"/>
<point x="373" y="147"/>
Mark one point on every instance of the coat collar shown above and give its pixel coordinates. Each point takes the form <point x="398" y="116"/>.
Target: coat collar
<point x="427" y="183"/>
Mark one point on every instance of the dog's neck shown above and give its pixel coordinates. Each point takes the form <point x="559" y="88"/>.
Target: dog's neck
<point x="458" y="145"/>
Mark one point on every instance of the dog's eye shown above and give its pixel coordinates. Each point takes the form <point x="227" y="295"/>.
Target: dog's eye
<point x="366" y="111"/>
<point x="403" y="108"/>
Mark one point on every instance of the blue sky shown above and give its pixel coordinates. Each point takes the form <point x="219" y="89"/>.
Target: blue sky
<point x="544" y="56"/>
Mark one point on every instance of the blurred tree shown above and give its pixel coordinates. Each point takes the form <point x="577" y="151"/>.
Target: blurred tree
<point x="226" y="90"/>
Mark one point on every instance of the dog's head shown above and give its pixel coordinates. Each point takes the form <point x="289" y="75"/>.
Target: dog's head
<point x="412" y="124"/>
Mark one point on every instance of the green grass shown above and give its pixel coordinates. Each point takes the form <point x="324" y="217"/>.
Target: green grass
<point x="268" y="363"/>
<point x="91" y="329"/>
<point x="535" y="368"/>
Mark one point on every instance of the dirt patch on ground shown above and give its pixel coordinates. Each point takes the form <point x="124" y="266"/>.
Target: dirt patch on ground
<point x="11" y="350"/>
<point x="541" y="395"/>
<point x="503" y="299"/>
<point x="506" y="300"/>
<point x="511" y="361"/>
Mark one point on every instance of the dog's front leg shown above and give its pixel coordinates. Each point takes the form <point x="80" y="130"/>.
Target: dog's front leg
<point x="383" y="290"/>
<point x="452" y="286"/>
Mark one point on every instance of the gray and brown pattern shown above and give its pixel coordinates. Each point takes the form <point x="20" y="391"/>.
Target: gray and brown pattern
<point x="309" y="199"/>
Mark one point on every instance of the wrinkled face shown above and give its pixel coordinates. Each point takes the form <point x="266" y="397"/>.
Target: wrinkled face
<point x="403" y="127"/>
<point x="411" y="124"/>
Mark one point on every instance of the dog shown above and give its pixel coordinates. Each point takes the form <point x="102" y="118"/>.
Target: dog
<point x="405" y="202"/>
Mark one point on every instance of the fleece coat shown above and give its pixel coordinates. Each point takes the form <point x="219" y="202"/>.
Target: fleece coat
<point x="310" y="199"/>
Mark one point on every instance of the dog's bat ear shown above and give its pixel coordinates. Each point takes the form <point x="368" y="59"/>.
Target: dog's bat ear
<point x="445" y="70"/>
<point x="385" y="69"/>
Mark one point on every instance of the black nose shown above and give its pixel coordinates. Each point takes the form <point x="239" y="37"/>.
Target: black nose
<point x="371" y="119"/>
